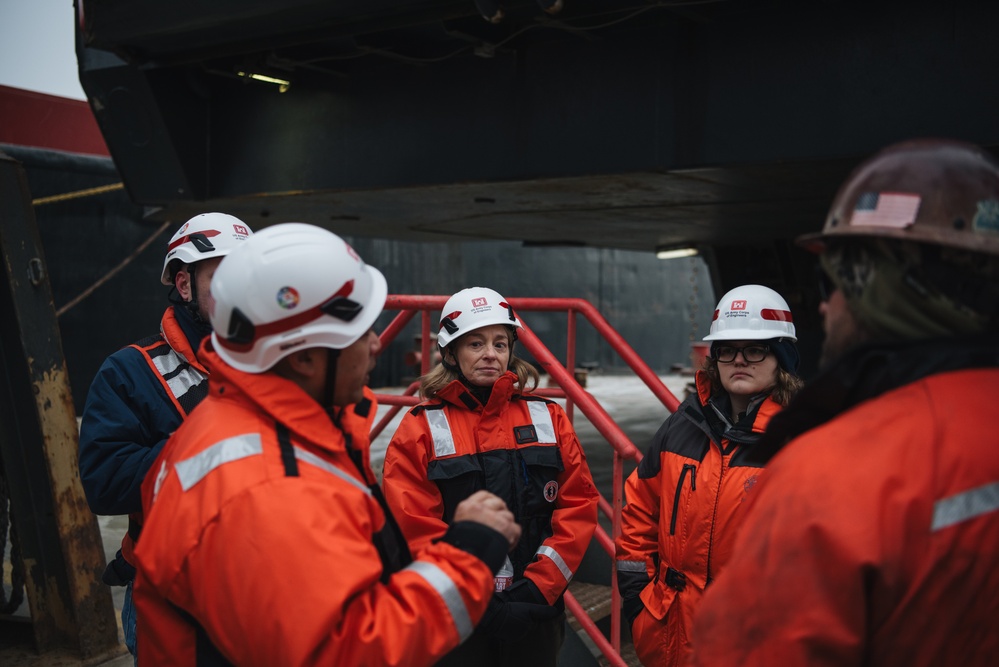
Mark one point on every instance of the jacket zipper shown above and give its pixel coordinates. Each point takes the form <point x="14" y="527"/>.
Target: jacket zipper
<point x="692" y="469"/>
<point x="714" y="516"/>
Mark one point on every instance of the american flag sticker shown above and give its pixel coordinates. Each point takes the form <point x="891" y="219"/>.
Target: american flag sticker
<point x="885" y="209"/>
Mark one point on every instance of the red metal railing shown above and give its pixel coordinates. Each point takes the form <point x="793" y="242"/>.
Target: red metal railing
<point x="572" y="392"/>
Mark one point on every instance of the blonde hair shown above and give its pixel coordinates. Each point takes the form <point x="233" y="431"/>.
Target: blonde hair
<point x="445" y="373"/>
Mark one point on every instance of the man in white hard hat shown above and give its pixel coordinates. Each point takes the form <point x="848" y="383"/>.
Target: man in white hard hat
<point x="266" y="540"/>
<point x="142" y="392"/>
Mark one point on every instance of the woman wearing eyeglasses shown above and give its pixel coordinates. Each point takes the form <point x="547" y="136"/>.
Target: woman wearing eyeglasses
<point x="682" y="501"/>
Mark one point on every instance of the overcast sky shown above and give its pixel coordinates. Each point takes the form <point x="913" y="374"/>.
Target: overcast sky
<point x="36" y="47"/>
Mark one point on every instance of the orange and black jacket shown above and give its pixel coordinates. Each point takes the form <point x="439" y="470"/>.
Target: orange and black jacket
<point x="521" y="448"/>
<point x="140" y="395"/>
<point x="873" y="537"/>
<point x="681" y="514"/>
<point x="266" y="543"/>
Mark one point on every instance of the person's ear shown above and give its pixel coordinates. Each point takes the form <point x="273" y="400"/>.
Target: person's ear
<point x="182" y="281"/>
<point x="306" y="362"/>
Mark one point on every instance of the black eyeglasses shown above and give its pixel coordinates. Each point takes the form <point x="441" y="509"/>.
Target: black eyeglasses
<point x="825" y="283"/>
<point x="753" y="354"/>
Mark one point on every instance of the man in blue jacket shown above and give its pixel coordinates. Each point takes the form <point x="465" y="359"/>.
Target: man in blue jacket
<point x="142" y="392"/>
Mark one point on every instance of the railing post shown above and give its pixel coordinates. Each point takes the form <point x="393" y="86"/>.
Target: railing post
<point x="570" y="357"/>
<point x="617" y="505"/>
<point x="425" y="342"/>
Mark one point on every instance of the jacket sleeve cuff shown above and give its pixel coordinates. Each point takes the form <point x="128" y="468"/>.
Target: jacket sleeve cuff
<point x="481" y="541"/>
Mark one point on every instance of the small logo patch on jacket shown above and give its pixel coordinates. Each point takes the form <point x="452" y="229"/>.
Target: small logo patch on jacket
<point x="551" y="491"/>
<point x="525" y="434"/>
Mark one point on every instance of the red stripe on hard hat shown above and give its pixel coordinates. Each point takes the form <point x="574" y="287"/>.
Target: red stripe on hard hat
<point x="777" y="315"/>
<point x="286" y="324"/>
<point x="187" y="237"/>
<point x="715" y="316"/>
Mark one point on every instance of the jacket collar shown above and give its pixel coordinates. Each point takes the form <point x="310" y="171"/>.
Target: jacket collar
<point x="282" y="400"/>
<point x="182" y="334"/>
<point x="867" y="372"/>
<point x="456" y="393"/>
<point x="716" y="411"/>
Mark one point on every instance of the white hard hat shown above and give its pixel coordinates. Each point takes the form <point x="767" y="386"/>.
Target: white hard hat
<point x="472" y="309"/>
<point x="751" y="312"/>
<point x="289" y="287"/>
<point x="202" y="237"/>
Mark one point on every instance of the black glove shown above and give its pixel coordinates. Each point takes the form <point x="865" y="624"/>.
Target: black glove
<point x="632" y="607"/>
<point x="118" y="572"/>
<point x="631" y="585"/>
<point x="516" y="611"/>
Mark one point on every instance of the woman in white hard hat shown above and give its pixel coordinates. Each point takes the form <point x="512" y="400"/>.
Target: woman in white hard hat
<point x="680" y="516"/>
<point x="477" y="428"/>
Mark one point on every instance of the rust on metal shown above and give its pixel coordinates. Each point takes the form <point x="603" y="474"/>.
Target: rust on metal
<point x="71" y="609"/>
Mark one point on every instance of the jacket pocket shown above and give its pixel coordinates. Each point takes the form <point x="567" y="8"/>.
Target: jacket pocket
<point x="688" y="469"/>
<point x="457" y="478"/>
<point x="539" y="469"/>
<point x="658" y="598"/>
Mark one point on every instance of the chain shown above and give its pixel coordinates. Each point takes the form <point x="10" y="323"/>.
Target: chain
<point x="692" y="309"/>
<point x="78" y="194"/>
<point x="110" y="274"/>
<point x="90" y="192"/>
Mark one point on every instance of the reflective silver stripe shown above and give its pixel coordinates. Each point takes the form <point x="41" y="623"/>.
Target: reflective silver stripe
<point x="542" y="421"/>
<point x="631" y="566"/>
<point x="193" y="470"/>
<point x="184" y="381"/>
<point x="446" y="588"/>
<point x="964" y="506"/>
<point x="160" y="478"/>
<point x="558" y="560"/>
<point x="441" y="432"/>
<point x="440" y="429"/>
<point x="312" y="459"/>
<point x="168" y="363"/>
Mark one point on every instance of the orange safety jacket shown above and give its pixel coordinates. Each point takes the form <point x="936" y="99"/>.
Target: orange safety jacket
<point x="680" y="518"/>
<point x="873" y="537"/>
<point x="521" y="448"/>
<point x="265" y="545"/>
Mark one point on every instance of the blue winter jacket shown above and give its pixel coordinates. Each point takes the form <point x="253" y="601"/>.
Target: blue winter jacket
<point x="138" y="398"/>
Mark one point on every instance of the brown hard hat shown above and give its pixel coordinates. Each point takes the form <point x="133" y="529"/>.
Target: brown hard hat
<point x="935" y="191"/>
